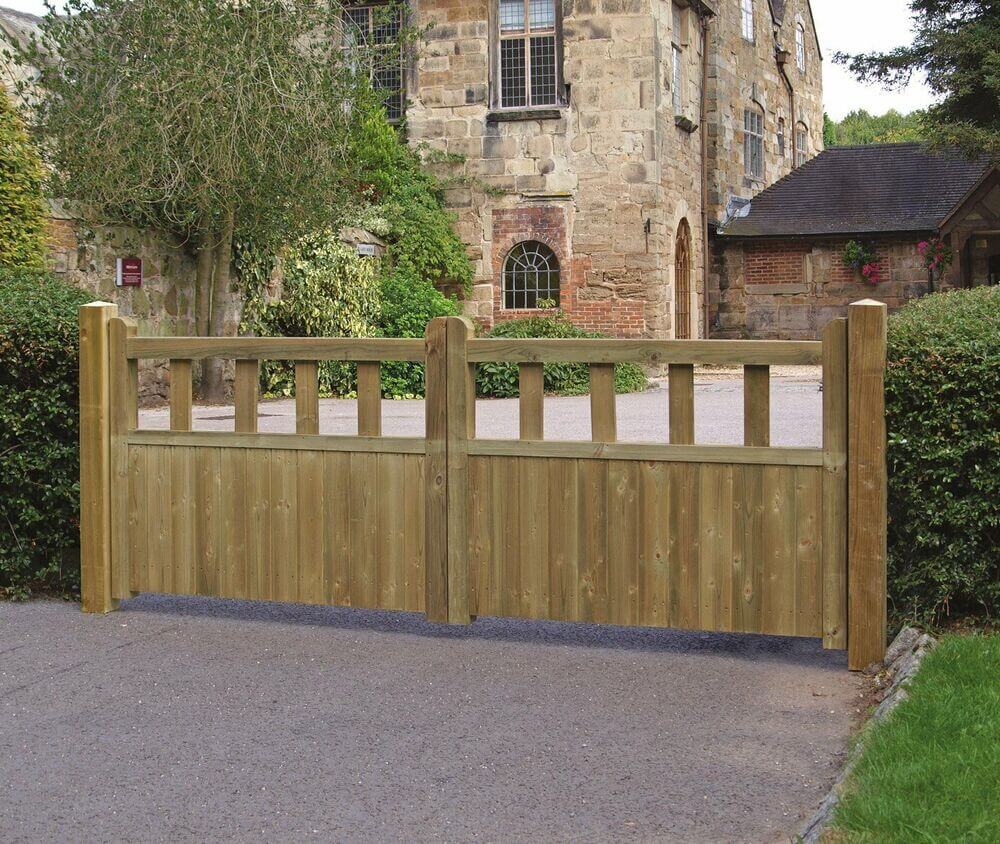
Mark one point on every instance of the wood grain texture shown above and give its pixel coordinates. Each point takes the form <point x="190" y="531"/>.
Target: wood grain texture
<point x="181" y="395"/>
<point x="680" y="392"/>
<point x="306" y="397"/>
<point x="369" y="399"/>
<point x="757" y="406"/>
<point x="124" y="387"/>
<point x="532" y="401"/>
<point x="245" y="396"/>
<point x="867" y="484"/>
<point x="460" y="394"/>
<point x="436" y="471"/>
<point x="278" y="442"/>
<point x="835" y="405"/>
<point x="275" y="348"/>
<point x="603" y="410"/>
<point x="95" y="458"/>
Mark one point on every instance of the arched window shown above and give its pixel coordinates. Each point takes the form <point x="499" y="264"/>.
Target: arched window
<point x="530" y="276"/>
<point x="801" y="144"/>
<point x="682" y="282"/>
<point x="800" y="45"/>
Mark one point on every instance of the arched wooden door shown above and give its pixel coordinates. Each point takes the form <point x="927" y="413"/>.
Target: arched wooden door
<point x="682" y="282"/>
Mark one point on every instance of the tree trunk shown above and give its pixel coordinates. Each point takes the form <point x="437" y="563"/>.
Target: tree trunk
<point x="213" y="387"/>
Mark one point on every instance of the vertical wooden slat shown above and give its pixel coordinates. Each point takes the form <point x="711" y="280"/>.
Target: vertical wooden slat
<point x="391" y="530"/>
<point x="369" y="399"/>
<point x="95" y="458"/>
<point x="532" y="401"/>
<point x="808" y="551"/>
<point x="480" y="539"/>
<point x="564" y="578"/>
<point x="623" y="542"/>
<point x="124" y="374"/>
<point x="306" y="397"/>
<point x="680" y="386"/>
<point x="284" y="527"/>
<point x="311" y="513"/>
<point x="413" y="532"/>
<point x="459" y="419"/>
<point x="436" y="469"/>
<point x="506" y="513"/>
<point x="182" y="505"/>
<point x="181" y="386"/>
<point x="715" y="551"/>
<point x="533" y="535"/>
<point x="160" y="558"/>
<point x="748" y="549"/>
<point x="337" y="527"/>
<point x="683" y="530"/>
<point x="592" y="522"/>
<point x="654" y="507"/>
<point x="867" y="483"/>
<point x="245" y="395"/>
<point x="757" y="406"/>
<point x="603" y="416"/>
<point x="137" y="511"/>
<point x="232" y="566"/>
<point x="779" y="540"/>
<point x="835" y="485"/>
<point x="259" y="530"/>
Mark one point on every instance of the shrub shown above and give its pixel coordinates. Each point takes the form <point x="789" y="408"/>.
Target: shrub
<point x="500" y="380"/>
<point x="39" y="434"/>
<point x="943" y="415"/>
<point x="22" y="206"/>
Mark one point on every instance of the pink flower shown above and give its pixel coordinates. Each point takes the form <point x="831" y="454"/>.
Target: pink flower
<point x="922" y="247"/>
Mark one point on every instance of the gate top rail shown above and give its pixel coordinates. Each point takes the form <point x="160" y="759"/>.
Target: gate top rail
<point x="723" y="352"/>
<point x="275" y="348"/>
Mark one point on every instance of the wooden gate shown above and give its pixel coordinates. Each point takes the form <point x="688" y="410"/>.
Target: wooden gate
<point x="750" y="538"/>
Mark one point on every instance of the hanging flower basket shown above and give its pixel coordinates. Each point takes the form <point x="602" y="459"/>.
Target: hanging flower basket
<point x="936" y="254"/>
<point x="862" y="259"/>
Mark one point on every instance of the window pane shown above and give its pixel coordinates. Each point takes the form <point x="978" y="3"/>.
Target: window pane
<point x="356" y="25"/>
<point x="543" y="14"/>
<point x="385" y="25"/>
<point x="388" y="81"/>
<point x="512" y="74"/>
<point x="543" y="70"/>
<point x="511" y="15"/>
<point x="678" y="94"/>
<point x="530" y="274"/>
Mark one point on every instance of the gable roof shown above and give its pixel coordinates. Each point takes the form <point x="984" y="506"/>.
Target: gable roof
<point x="861" y="190"/>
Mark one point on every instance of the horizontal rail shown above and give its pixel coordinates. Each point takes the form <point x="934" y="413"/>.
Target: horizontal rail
<point x="279" y="442"/>
<point x="648" y="452"/>
<point x="652" y="352"/>
<point x="274" y="348"/>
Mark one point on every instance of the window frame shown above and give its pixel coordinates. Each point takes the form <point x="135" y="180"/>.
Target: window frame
<point x="801" y="144"/>
<point x="781" y="137"/>
<point x="525" y="35"/>
<point x="553" y="268"/>
<point x="677" y="41"/>
<point x="748" y="21"/>
<point x="800" y="46"/>
<point x="370" y="7"/>
<point x="751" y="138"/>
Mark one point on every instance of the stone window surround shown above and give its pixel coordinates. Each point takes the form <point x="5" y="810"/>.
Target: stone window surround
<point x="747" y="22"/>
<point x="545" y="224"/>
<point x="800" y="45"/>
<point x="499" y="114"/>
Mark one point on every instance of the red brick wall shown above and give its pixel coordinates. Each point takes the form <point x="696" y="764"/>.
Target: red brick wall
<point x="594" y="308"/>
<point x="775" y="262"/>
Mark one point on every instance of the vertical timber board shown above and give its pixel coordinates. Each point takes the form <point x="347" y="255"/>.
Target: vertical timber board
<point x="337" y="527"/>
<point x="531" y="405"/>
<point x="603" y="416"/>
<point x="124" y="375"/>
<point x="459" y="419"/>
<point x="369" y="399"/>
<point x="757" y="406"/>
<point x="715" y="549"/>
<point x="181" y="387"/>
<point x="245" y="394"/>
<point x="391" y="530"/>
<point x="592" y="524"/>
<point x="654" y="580"/>
<point x="436" y="470"/>
<point x="623" y="542"/>
<point x="680" y="394"/>
<point x="563" y="557"/>
<point x="310" y="512"/>
<point x="533" y="534"/>
<point x="95" y="458"/>
<point x="182" y="516"/>
<point x="306" y="397"/>
<point x="413" y="533"/>
<point x="480" y="539"/>
<point x="808" y="551"/>
<point x="835" y="405"/>
<point x="867" y="483"/>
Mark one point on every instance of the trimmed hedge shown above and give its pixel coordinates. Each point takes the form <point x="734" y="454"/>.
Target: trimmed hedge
<point x="943" y="416"/>
<point x="500" y="380"/>
<point x="39" y="435"/>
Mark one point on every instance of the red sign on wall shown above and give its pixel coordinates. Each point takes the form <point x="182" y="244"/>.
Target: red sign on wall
<point x="129" y="272"/>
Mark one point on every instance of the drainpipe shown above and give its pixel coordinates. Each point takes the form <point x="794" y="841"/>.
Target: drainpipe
<point x="706" y="250"/>
<point x="782" y="56"/>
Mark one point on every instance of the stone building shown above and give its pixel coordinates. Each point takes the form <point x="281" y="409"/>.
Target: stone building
<point x="603" y="139"/>
<point x="778" y="263"/>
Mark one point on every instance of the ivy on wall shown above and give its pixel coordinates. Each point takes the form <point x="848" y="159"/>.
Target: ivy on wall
<point x="23" y="211"/>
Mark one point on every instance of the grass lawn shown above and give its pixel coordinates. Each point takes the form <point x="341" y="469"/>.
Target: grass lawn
<point x="932" y="771"/>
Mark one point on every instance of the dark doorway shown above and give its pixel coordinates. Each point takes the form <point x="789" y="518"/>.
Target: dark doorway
<point x="994" y="270"/>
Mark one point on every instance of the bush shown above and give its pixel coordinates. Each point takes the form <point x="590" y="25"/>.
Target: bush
<point x="500" y="380"/>
<point x="39" y="434"/>
<point x="943" y="416"/>
<point x="22" y="206"/>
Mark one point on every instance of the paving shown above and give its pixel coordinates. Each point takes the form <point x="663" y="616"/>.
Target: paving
<point x="184" y="719"/>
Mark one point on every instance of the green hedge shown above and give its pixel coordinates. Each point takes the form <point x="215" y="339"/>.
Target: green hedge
<point x="23" y="210"/>
<point x="39" y="433"/>
<point x="943" y="415"/>
<point x="500" y="380"/>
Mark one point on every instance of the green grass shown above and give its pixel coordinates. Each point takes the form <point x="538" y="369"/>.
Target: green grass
<point x="932" y="771"/>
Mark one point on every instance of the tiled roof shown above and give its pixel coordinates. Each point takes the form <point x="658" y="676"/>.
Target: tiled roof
<point x="861" y="190"/>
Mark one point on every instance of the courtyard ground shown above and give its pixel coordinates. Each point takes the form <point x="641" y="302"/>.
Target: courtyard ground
<point x="181" y="719"/>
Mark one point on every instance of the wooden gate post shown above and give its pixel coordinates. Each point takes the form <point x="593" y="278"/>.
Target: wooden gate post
<point x="867" y="484"/>
<point x="450" y="404"/>
<point x="95" y="458"/>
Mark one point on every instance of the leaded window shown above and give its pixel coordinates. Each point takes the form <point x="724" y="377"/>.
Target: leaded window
<point x="529" y="53"/>
<point x="677" y="58"/>
<point x="678" y="92"/>
<point x="800" y="45"/>
<point x="746" y="9"/>
<point x="801" y="146"/>
<point x="377" y="28"/>
<point x="781" y="136"/>
<point x="753" y="143"/>
<point x="531" y="276"/>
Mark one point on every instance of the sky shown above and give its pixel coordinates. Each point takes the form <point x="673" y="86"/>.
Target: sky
<point x="850" y="25"/>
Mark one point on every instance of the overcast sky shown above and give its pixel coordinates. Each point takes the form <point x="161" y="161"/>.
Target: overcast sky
<point x="848" y="25"/>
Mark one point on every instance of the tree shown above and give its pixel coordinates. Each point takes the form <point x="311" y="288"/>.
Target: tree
<point x="860" y="127"/>
<point x="209" y="119"/>
<point x="22" y="205"/>
<point x="957" y="45"/>
<point x="829" y="131"/>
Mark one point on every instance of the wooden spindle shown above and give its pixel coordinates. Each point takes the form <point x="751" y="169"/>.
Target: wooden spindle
<point x="369" y="399"/>
<point x="757" y="406"/>
<point x="245" y="395"/>
<point x="680" y="385"/>
<point x="532" y="401"/>
<point x="307" y="397"/>
<point x="180" y="395"/>
<point x="603" y="418"/>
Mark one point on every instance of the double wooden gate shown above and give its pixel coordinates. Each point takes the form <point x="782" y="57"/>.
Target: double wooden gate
<point x="750" y="538"/>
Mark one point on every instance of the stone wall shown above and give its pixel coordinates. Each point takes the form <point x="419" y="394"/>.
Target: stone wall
<point x="790" y="290"/>
<point x="745" y="74"/>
